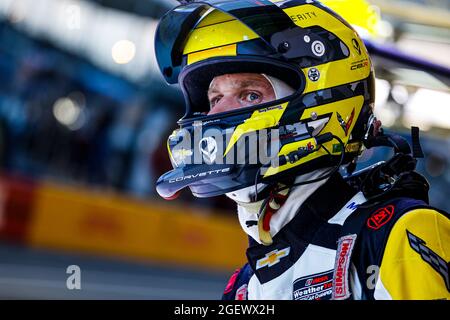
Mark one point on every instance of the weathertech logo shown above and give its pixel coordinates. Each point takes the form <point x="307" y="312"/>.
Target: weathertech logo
<point x="431" y="257"/>
<point x="344" y="251"/>
<point x="272" y="258"/>
<point x="314" y="287"/>
<point x="380" y="217"/>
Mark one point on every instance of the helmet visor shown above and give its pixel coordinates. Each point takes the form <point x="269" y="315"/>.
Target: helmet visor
<point x="262" y="16"/>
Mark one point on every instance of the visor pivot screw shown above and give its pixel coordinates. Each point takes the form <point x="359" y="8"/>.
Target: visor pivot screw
<point x="284" y="47"/>
<point x="313" y="115"/>
<point x="307" y="39"/>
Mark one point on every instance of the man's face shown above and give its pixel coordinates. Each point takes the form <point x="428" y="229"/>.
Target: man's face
<point x="233" y="91"/>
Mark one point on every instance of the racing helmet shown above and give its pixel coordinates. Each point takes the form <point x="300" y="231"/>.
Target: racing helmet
<point x="301" y="42"/>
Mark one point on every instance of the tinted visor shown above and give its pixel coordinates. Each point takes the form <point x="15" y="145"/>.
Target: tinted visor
<point x="262" y="16"/>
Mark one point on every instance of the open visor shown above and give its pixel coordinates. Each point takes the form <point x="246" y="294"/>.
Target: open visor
<point x="262" y="16"/>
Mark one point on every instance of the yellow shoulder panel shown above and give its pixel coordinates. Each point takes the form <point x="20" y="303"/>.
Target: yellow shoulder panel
<point x="415" y="262"/>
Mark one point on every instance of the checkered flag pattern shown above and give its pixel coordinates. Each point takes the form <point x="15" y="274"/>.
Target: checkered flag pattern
<point x="431" y="257"/>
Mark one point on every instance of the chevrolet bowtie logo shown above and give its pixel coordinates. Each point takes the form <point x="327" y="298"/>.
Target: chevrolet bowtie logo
<point x="272" y="258"/>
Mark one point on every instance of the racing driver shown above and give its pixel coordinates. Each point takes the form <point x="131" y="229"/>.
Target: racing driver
<point x="293" y="79"/>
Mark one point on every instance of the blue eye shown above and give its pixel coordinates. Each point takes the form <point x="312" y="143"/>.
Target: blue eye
<point x="252" y="97"/>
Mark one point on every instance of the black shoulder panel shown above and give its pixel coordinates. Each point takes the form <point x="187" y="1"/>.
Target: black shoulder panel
<point x="372" y="224"/>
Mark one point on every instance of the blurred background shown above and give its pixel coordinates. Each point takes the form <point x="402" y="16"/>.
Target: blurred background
<point x="84" y="116"/>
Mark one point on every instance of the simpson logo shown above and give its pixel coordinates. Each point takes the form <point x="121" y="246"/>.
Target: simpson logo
<point x="340" y="278"/>
<point x="241" y="293"/>
<point x="380" y="217"/>
<point x="272" y="258"/>
<point x="314" y="287"/>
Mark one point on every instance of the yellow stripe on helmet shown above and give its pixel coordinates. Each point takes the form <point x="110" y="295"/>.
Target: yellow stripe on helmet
<point x="217" y="35"/>
<point x="335" y="73"/>
<point x="229" y="50"/>
<point x="260" y="119"/>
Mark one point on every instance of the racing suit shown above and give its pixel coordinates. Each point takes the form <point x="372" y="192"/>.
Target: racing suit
<point x="338" y="245"/>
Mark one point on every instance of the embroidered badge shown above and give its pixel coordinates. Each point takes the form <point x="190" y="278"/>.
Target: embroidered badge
<point x="272" y="258"/>
<point x="232" y="281"/>
<point x="314" y="287"/>
<point x="380" y="217"/>
<point x="429" y="256"/>
<point x="241" y="293"/>
<point x="341" y="289"/>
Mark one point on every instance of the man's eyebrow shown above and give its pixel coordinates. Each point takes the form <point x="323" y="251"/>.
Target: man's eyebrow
<point x="212" y="90"/>
<point x="252" y="82"/>
<point x="243" y="84"/>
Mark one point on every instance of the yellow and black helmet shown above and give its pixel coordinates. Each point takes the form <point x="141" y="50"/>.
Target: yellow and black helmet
<point x="301" y="42"/>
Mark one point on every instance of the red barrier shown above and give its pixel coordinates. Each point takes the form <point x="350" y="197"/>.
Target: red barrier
<point x="17" y="197"/>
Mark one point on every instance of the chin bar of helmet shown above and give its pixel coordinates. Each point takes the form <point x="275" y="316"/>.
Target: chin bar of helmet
<point x="295" y="156"/>
<point x="320" y="140"/>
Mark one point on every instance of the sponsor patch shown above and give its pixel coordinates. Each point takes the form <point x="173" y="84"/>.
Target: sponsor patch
<point x="341" y="288"/>
<point x="351" y="147"/>
<point x="380" y="217"/>
<point x="232" y="281"/>
<point x="429" y="256"/>
<point x="317" y="286"/>
<point x="241" y="293"/>
<point x="272" y="258"/>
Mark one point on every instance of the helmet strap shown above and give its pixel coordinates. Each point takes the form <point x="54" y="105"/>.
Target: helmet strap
<point x="268" y="208"/>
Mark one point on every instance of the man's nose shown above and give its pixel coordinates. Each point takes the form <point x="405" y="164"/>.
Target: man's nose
<point x="225" y="104"/>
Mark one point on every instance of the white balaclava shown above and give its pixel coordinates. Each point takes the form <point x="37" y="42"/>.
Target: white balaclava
<point x="248" y="210"/>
